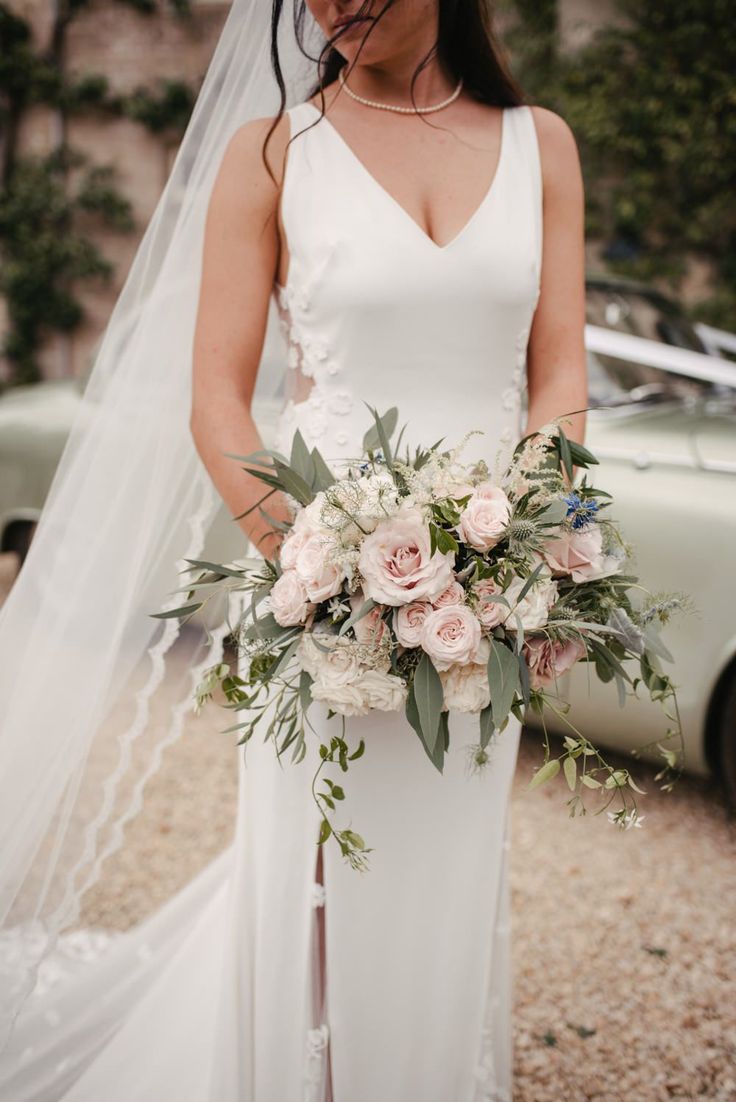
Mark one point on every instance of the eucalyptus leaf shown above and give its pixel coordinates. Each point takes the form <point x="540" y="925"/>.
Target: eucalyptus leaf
<point x="301" y="461"/>
<point x="503" y="680"/>
<point x="429" y="700"/>
<point x="176" y="613"/>
<point x="486" y="726"/>
<point x="323" y="476"/>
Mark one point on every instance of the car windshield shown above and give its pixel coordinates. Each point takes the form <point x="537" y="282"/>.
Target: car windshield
<point x="641" y="314"/>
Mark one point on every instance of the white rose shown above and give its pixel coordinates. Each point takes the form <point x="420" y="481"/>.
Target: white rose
<point x="533" y="610"/>
<point x="466" y="687"/>
<point x="333" y="662"/>
<point x="484" y="518"/>
<point x="397" y="564"/>
<point x="409" y="621"/>
<point x="320" y="577"/>
<point x="346" y="700"/>
<point x="383" y="691"/>
<point x="288" y="600"/>
<point x="450" y="635"/>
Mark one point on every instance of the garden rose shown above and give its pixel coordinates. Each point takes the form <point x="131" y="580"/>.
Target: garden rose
<point x="397" y="564"/>
<point x="490" y="613"/>
<point x="383" y="691"/>
<point x="409" y="621"/>
<point x="533" y="610"/>
<point x="484" y="518"/>
<point x="453" y="595"/>
<point x="580" y="554"/>
<point x="450" y="635"/>
<point x="288" y="600"/>
<point x="547" y="660"/>
<point x="336" y="665"/>
<point x="370" y="630"/>
<point x="346" y="700"/>
<point x="320" y="577"/>
<point x="466" y="687"/>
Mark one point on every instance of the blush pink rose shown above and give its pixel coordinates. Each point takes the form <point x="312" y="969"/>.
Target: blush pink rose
<point x="451" y="635"/>
<point x="409" y="621"/>
<point x="397" y="564"/>
<point x="453" y="595"/>
<point x="288" y="600"/>
<point x="371" y="628"/>
<point x="548" y="660"/>
<point x="320" y="577"/>
<point x="580" y="554"/>
<point x="484" y="518"/>
<point x="490" y="613"/>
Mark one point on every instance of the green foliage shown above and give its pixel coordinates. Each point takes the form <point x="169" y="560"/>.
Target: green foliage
<point x="50" y="207"/>
<point x="651" y="103"/>
<point x="45" y="255"/>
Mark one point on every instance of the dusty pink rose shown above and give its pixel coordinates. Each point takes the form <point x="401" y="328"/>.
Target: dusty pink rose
<point x="409" y="621"/>
<point x="371" y="628"/>
<point x="490" y="613"/>
<point x="397" y="564"/>
<point x="484" y="518"/>
<point x="580" y="554"/>
<point x="453" y="595"/>
<point x="547" y="660"/>
<point x="288" y="600"/>
<point x="320" y="577"/>
<point x="451" y="635"/>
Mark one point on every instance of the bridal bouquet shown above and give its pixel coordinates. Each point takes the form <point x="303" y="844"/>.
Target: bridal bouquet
<point x="421" y="584"/>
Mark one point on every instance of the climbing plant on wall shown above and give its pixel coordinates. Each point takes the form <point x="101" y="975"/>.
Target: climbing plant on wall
<point x="51" y="205"/>
<point x="652" y="103"/>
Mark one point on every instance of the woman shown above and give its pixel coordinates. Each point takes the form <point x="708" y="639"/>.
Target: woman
<point x="408" y="258"/>
<point x="428" y="259"/>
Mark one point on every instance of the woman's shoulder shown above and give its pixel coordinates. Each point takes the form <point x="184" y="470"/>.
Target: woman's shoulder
<point x="558" y="148"/>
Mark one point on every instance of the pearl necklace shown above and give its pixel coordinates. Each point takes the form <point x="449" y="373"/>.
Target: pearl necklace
<point x="394" y="107"/>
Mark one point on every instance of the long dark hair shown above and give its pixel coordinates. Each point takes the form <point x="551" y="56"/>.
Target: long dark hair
<point x="466" y="44"/>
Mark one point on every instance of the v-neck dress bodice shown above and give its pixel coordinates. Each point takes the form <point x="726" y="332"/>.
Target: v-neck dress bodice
<point x="375" y="311"/>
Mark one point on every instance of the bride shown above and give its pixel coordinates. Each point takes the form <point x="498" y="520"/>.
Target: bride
<point x="419" y="231"/>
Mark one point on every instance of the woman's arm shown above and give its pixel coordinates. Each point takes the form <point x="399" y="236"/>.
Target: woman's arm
<point x="241" y="251"/>
<point x="556" y="363"/>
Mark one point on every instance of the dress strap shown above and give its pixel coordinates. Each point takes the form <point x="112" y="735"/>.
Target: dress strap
<point x="527" y="143"/>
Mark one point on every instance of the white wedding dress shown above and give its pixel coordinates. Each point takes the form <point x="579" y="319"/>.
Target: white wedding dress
<point x="214" y="998"/>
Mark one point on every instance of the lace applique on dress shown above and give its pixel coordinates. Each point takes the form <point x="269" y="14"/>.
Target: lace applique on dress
<point x="317" y="397"/>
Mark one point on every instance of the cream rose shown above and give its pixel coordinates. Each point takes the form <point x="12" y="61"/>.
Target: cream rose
<point x="533" y="610"/>
<point x="346" y="700"/>
<point x="450" y="635"/>
<point x="383" y="691"/>
<point x="333" y="662"/>
<point x="547" y="660"/>
<point x="409" y="621"/>
<point x="580" y="554"/>
<point x="484" y="518"/>
<point x="320" y="577"/>
<point x="288" y="600"/>
<point x="397" y="564"/>
<point x="490" y="613"/>
<point x="465" y="688"/>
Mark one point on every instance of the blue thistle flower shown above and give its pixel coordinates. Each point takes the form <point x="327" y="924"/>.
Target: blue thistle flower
<point x="580" y="511"/>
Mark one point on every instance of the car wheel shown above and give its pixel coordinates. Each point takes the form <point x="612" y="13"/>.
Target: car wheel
<point x="726" y="722"/>
<point x="17" y="538"/>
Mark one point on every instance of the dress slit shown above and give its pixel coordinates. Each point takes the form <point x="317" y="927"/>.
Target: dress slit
<point x="318" y="1076"/>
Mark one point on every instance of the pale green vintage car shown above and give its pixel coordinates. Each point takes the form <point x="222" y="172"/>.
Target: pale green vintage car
<point x="667" y="445"/>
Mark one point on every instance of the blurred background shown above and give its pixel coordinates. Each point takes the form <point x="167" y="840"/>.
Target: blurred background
<point x="94" y="98"/>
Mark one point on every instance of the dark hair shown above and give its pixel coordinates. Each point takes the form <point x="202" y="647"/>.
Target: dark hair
<point x="466" y="44"/>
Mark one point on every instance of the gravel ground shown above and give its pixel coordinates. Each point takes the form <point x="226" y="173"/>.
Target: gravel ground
<point x="624" y="943"/>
